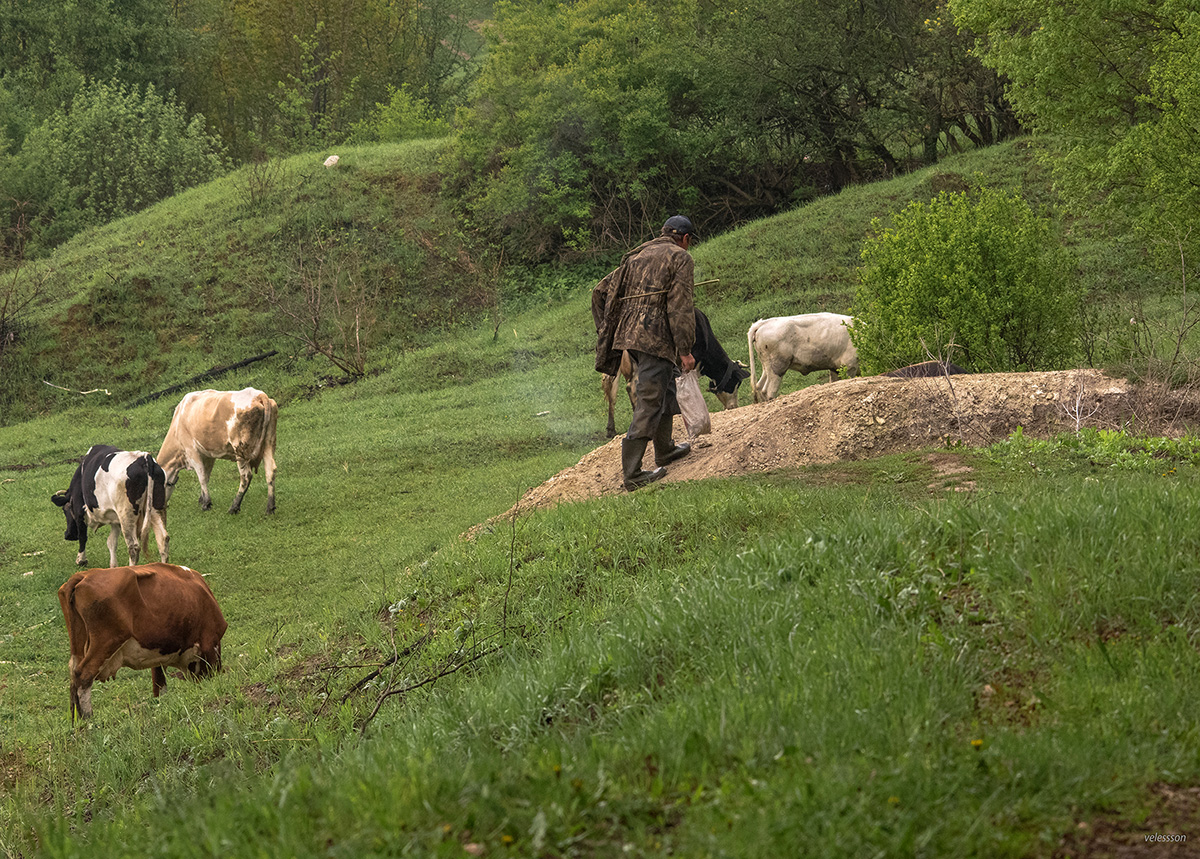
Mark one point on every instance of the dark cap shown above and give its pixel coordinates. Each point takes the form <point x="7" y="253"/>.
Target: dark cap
<point x="678" y="225"/>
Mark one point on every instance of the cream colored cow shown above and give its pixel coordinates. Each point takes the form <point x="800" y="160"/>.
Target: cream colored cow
<point x="810" y="341"/>
<point x="212" y="425"/>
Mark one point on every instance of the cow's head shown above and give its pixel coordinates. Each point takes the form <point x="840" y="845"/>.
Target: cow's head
<point x="63" y="500"/>
<point x="728" y="401"/>
<point x="727" y="393"/>
<point x="207" y="662"/>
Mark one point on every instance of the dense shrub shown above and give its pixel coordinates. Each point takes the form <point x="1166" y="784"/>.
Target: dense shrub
<point x="112" y="151"/>
<point x="404" y="117"/>
<point x="980" y="279"/>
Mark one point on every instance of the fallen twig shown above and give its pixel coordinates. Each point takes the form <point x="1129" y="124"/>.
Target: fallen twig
<point x="391" y="660"/>
<point x="104" y="391"/>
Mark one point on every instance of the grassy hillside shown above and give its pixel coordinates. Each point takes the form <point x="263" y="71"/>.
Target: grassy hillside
<point x="256" y="261"/>
<point x="291" y="258"/>
<point x="843" y="660"/>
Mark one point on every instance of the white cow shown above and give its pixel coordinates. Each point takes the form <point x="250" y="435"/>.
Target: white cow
<point x="212" y="425"/>
<point x="810" y="341"/>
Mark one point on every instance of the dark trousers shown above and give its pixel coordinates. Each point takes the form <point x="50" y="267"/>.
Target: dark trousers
<point x="653" y="394"/>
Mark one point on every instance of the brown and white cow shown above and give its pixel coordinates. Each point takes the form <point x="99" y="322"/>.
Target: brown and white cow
<point x="150" y="616"/>
<point x="810" y="341"/>
<point x="124" y="489"/>
<point x="212" y="425"/>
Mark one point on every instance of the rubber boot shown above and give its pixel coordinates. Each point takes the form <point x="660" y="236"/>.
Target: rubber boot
<point x="665" y="449"/>
<point x="632" y="450"/>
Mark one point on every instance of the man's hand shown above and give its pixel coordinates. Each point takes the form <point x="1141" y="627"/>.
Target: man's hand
<point x="688" y="363"/>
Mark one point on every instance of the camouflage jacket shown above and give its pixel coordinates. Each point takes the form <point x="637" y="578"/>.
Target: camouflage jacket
<point x="645" y="304"/>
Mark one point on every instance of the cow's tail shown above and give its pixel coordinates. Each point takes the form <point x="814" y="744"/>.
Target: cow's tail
<point x="76" y="631"/>
<point x="259" y="430"/>
<point x="753" y="373"/>
<point x="77" y="636"/>
<point x="158" y="485"/>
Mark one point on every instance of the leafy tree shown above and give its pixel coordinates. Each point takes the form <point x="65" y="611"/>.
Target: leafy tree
<point x="571" y="97"/>
<point x="114" y="150"/>
<point x="595" y="119"/>
<point x="49" y="48"/>
<point x="855" y="88"/>
<point x="1114" y="87"/>
<point x="981" y="281"/>
<point x="292" y="75"/>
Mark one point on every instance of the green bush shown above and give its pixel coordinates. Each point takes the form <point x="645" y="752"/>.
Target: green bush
<point x="404" y="117"/>
<point x="980" y="279"/>
<point x="113" y="151"/>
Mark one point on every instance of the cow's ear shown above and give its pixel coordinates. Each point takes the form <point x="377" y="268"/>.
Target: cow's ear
<point x="60" y="498"/>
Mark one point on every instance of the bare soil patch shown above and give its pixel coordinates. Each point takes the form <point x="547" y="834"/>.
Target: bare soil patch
<point x="1169" y="829"/>
<point x="857" y="419"/>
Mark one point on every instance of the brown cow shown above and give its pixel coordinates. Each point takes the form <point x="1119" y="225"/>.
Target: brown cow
<point x="212" y="425"/>
<point x="148" y="616"/>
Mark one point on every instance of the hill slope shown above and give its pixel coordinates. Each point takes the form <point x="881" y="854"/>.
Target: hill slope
<point x="875" y="416"/>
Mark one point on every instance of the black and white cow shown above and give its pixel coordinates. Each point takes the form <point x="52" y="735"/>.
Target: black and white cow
<point x="121" y="488"/>
<point x="724" y="374"/>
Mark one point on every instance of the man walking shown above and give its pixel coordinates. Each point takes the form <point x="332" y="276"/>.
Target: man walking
<point x="645" y="306"/>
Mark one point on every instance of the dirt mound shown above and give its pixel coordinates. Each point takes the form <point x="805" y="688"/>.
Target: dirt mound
<point x="860" y="418"/>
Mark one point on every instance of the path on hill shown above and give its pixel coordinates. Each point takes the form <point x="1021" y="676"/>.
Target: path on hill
<point x="861" y="418"/>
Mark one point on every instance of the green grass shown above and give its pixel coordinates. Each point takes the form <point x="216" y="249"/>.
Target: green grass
<point x="842" y="660"/>
<point x="734" y="689"/>
<point x="203" y="279"/>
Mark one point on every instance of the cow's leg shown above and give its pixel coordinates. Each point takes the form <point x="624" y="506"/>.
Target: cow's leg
<point x="154" y="520"/>
<point x="81" y="557"/>
<point x="81" y="701"/>
<point x="112" y="546"/>
<point x="246" y="473"/>
<point x="203" y="468"/>
<point x="76" y="710"/>
<point x="771" y="384"/>
<point x="608" y="387"/>
<point x="83" y="676"/>
<point x="269" y="473"/>
<point x="133" y="542"/>
<point x="761" y="386"/>
<point x="158" y="680"/>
